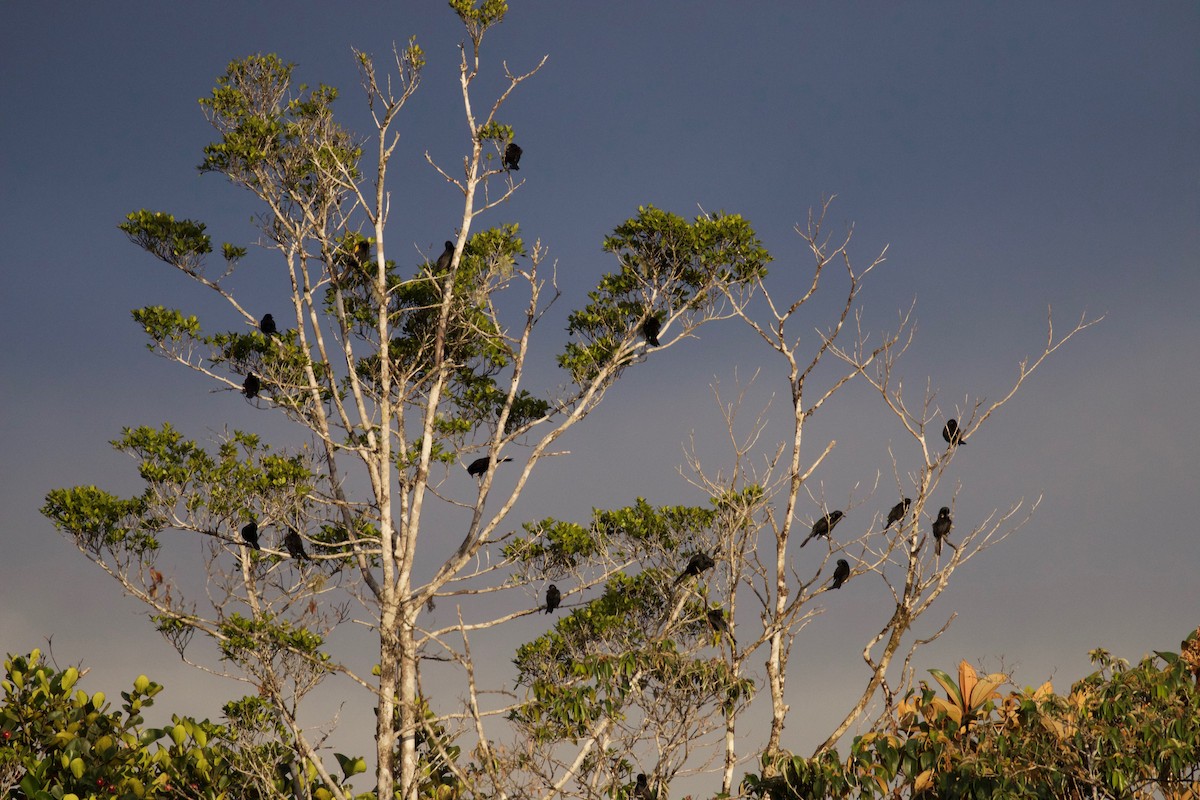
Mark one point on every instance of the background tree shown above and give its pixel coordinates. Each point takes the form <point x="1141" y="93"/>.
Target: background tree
<point x="396" y="372"/>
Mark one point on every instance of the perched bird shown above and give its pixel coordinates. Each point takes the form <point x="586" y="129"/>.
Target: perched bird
<point x="512" y="154"/>
<point x="267" y="325"/>
<point x="443" y="262"/>
<point x="479" y="466"/>
<point x="697" y="564"/>
<point x="952" y="434"/>
<point x="641" y="789"/>
<point x="650" y="329"/>
<point x="294" y="545"/>
<point x="941" y="528"/>
<point x="897" y="513"/>
<point x="553" y="598"/>
<point x="362" y="253"/>
<point x="250" y="535"/>
<point x="719" y="623"/>
<point x="824" y="525"/>
<point x="841" y="573"/>
<point x="251" y="386"/>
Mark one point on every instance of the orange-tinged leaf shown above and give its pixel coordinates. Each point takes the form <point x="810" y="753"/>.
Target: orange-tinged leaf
<point x="1043" y="691"/>
<point x="924" y="781"/>
<point x="948" y="684"/>
<point x="966" y="683"/>
<point x="985" y="690"/>
<point x="951" y="710"/>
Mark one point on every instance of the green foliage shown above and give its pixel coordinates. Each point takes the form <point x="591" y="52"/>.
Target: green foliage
<point x="1122" y="732"/>
<point x="57" y="740"/>
<point x="100" y="521"/>
<point x="272" y="137"/>
<point x="181" y="243"/>
<point x="166" y="325"/>
<point x="666" y="265"/>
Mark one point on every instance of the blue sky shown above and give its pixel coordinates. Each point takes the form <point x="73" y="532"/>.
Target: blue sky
<point x="1012" y="156"/>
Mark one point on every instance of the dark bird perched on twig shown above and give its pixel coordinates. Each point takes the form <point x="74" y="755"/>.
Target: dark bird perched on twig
<point x="841" y="573"/>
<point x="479" y="466"/>
<point x="267" y="325"/>
<point x="650" y="329"/>
<point x="553" y="598"/>
<point x="941" y="529"/>
<point x="362" y="253"/>
<point x="250" y="535"/>
<point x="719" y="623"/>
<point x="824" y="525"/>
<point x="897" y="513"/>
<point x="251" y="386"/>
<point x="294" y="545"/>
<point x="512" y="154"/>
<point x="697" y="564"/>
<point x="952" y="434"/>
<point x="641" y="789"/>
<point x="443" y="262"/>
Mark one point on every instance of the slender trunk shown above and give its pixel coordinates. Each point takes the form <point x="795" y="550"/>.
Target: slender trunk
<point x="776" y="671"/>
<point x="409" y="710"/>
<point x="385" y="718"/>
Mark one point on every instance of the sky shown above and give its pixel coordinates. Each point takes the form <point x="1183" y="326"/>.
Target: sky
<point x="1011" y="157"/>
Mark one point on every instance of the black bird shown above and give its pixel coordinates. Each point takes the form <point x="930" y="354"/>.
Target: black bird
<point x="362" y="253"/>
<point x="952" y="434"/>
<point x="897" y="513"/>
<point x="841" y="573"/>
<point x="267" y="326"/>
<point x="650" y="329"/>
<point x="824" y="525"/>
<point x="641" y="789"/>
<point x="553" y="598"/>
<point x="250" y="535"/>
<point x="512" y="154"/>
<point x="294" y="545"/>
<point x="697" y="564"/>
<point x="479" y="466"/>
<point x="719" y="623"/>
<point x="443" y="262"/>
<point x="941" y="528"/>
<point x="251" y="386"/>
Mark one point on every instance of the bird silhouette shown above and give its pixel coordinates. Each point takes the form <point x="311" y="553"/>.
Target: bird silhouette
<point x="897" y="513"/>
<point x="719" y="622"/>
<point x="952" y="434"/>
<point x="697" y="564"/>
<point x="294" y="545"/>
<point x="251" y="386"/>
<point x="443" y="262"/>
<point x="941" y="529"/>
<point x="553" y="598"/>
<point x="362" y="253"/>
<point x="824" y="525"/>
<point x="250" y="535"/>
<point x="641" y="789"/>
<point x="650" y="329"/>
<point x="267" y="325"/>
<point x="841" y="573"/>
<point x="479" y="466"/>
<point x="512" y="154"/>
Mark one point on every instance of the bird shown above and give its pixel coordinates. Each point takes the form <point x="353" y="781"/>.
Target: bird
<point x="952" y="434"/>
<point x="362" y="253"/>
<point x="941" y="528"/>
<point x="251" y="386"/>
<point x="650" y="329"/>
<point x="697" y="564"/>
<point x="267" y="326"/>
<point x="897" y="513"/>
<point x="841" y="573"/>
<point x="512" y="154"/>
<point x="294" y="545"/>
<point x="719" y="623"/>
<point x="443" y="262"/>
<point x="479" y="465"/>
<point x="641" y="789"/>
<point x="824" y="525"/>
<point x="553" y="598"/>
<point x="250" y="535"/>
